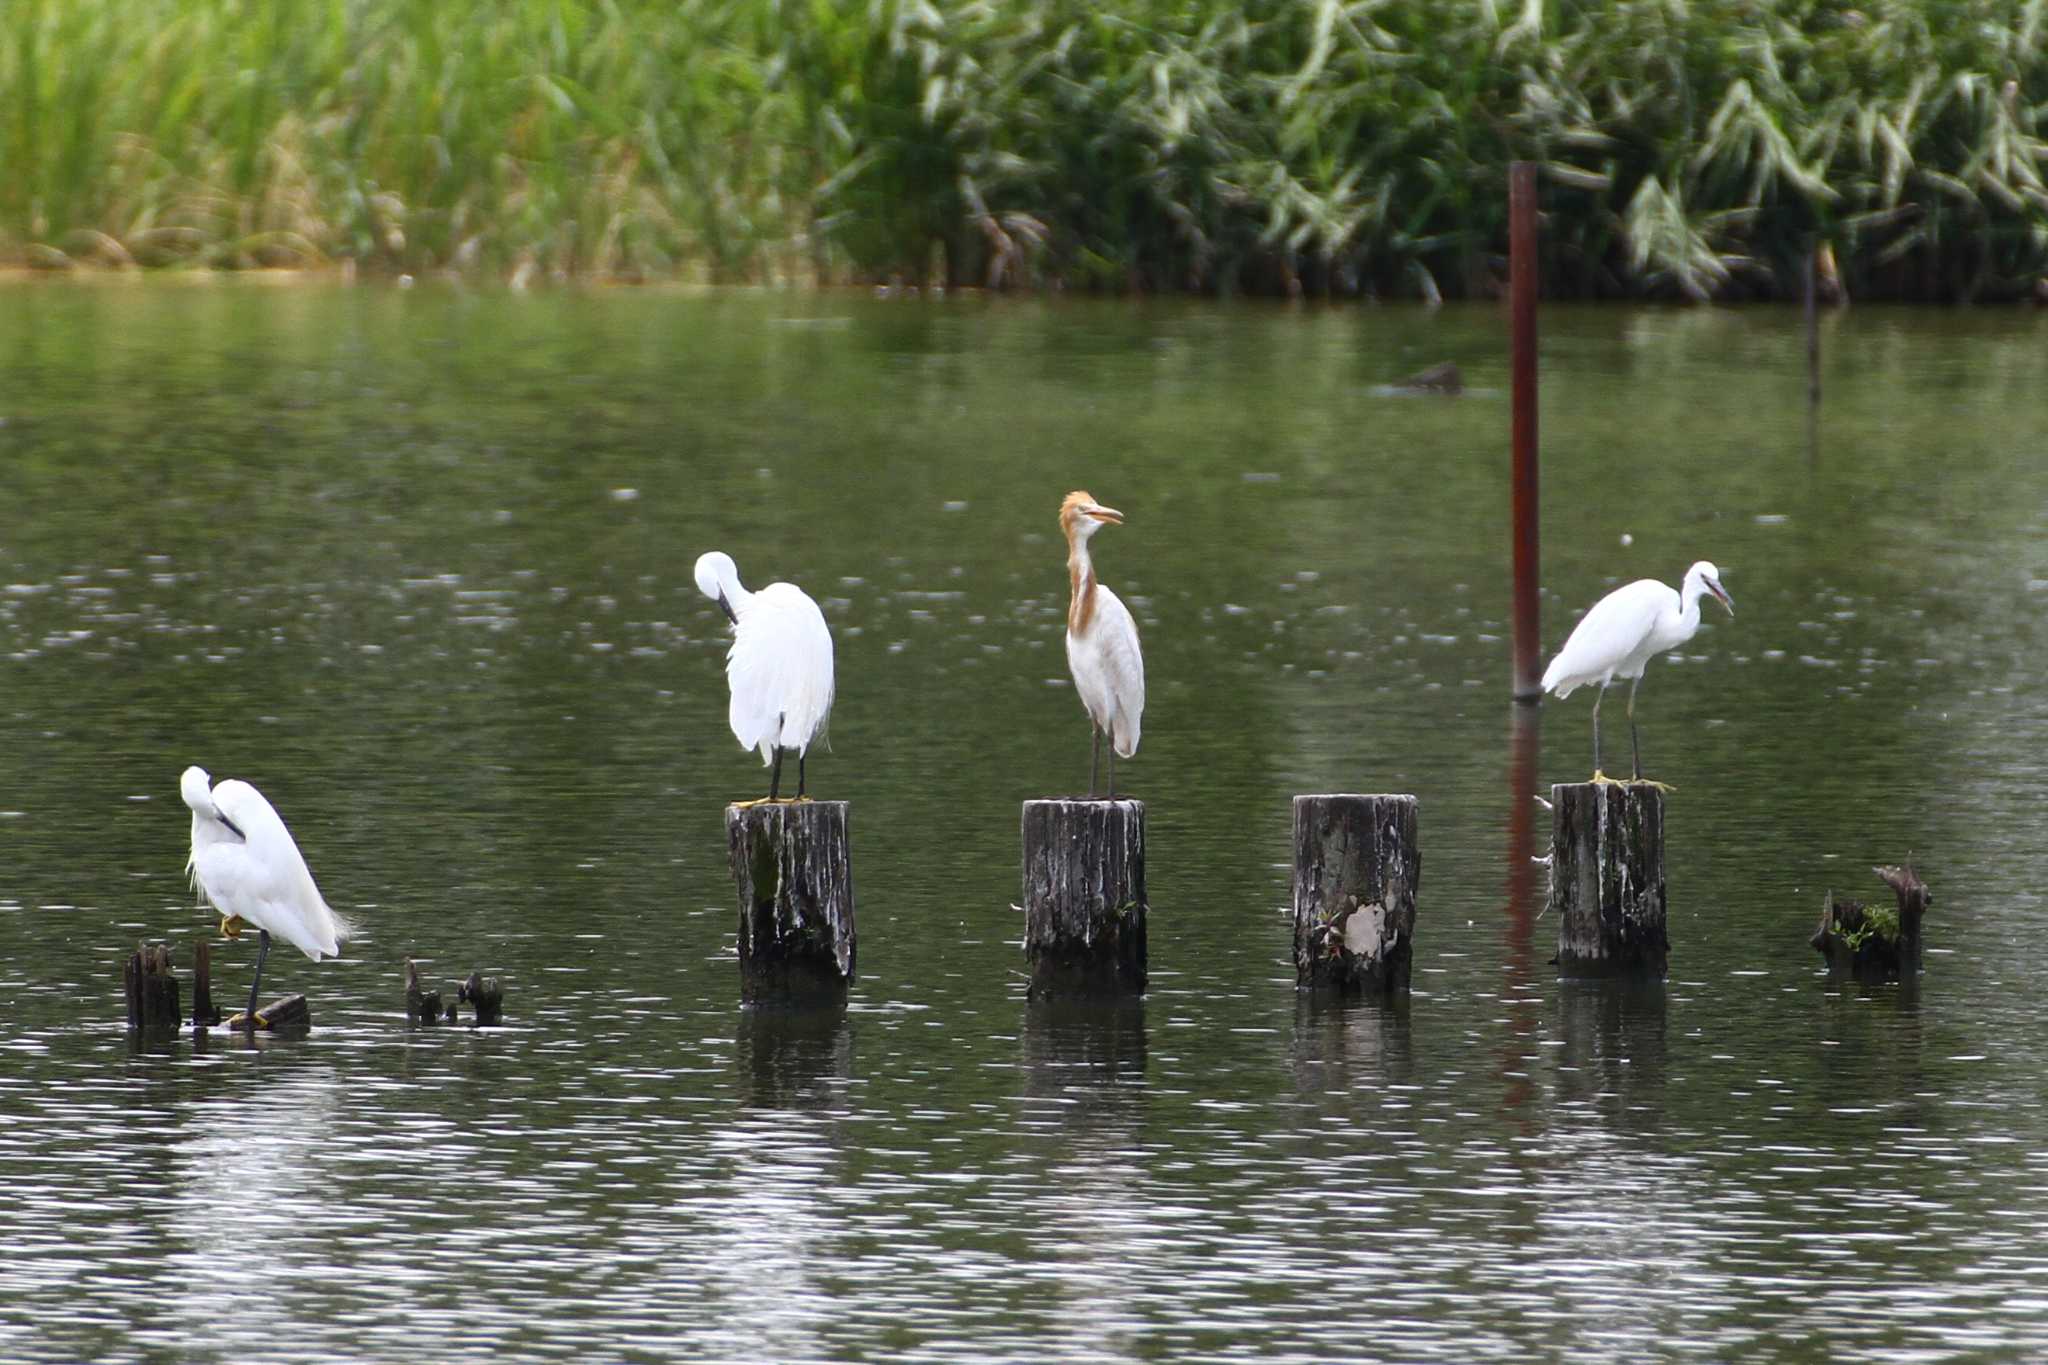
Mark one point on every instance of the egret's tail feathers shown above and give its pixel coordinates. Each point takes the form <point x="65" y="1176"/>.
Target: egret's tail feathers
<point x="1124" y="739"/>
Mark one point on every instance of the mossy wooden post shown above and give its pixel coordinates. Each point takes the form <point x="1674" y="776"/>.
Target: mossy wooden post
<point x="1607" y="878"/>
<point x="791" y="862"/>
<point x="1868" y="943"/>
<point x="1084" y="898"/>
<point x="152" y="990"/>
<point x="422" y="1006"/>
<point x="1356" y="871"/>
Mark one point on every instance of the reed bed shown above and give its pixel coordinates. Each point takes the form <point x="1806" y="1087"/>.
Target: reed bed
<point x="1695" y="148"/>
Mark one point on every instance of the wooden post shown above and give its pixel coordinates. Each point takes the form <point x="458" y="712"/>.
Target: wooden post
<point x="205" y="1014"/>
<point x="795" y="877"/>
<point x="1356" y="871"/>
<point x="421" y="1006"/>
<point x="1522" y="277"/>
<point x="1862" y="941"/>
<point x="484" y="995"/>
<point x="1607" y="878"/>
<point x="152" y="990"/>
<point x="1084" y="898"/>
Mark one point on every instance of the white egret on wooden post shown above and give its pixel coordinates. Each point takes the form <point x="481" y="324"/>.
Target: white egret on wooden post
<point x="779" y="668"/>
<point x="246" y="863"/>
<point x="1102" y="641"/>
<point x="1617" y="637"/>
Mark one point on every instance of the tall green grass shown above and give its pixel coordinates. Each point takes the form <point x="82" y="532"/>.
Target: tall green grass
<point x="1694" y="147"/>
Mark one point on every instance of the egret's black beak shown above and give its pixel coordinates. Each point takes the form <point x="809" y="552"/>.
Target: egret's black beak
<point x="726" y="607"/>
<point x="233" y="828"/>
<point x="1722" y="593"/>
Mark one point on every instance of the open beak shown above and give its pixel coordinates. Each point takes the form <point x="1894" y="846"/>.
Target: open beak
<point x="1101" y="513"/>
<point x="726" y="607"/>
<point x="1714" y="587"/>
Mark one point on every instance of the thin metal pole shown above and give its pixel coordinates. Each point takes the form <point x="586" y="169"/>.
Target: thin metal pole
<point x="1522" y="297"/>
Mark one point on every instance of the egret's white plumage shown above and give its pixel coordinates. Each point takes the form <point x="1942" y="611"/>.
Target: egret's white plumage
<point x="1623" y="630"/>
<point x="246" y="863"/>
<point x="779" y="668"/>
<point x="1102" y="639"/>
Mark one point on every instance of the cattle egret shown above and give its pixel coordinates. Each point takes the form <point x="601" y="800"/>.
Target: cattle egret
<point x="779" y="667"/>
<point x="1102" y="642"/>
<point x="246" y="863"/>
<point x="1617" y="637"/>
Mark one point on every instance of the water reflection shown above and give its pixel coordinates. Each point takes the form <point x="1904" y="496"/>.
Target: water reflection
<point x="1088" y="1058"/>
<point x="1343" y="1046"/>
<point x="1614" y="1051"/>
<point x="794" y="1059"/>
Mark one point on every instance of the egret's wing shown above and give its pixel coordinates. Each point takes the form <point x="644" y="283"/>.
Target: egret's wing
<point x="780" y="670"/>
<point x="263" y="877"/>
<point x="1607" y="635"/>
<point x="1123" y="666"/>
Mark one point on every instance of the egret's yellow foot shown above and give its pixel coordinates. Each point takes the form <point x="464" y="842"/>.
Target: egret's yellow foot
<point x="240" y="1019"/>
<point x="1600" y="779"/>
<point x="1647" y="782"/>
<point x="766" y="801"/>
<point x="231" y="926"/>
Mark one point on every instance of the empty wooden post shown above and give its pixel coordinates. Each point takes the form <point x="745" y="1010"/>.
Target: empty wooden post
<point x="1356" y="871"/>
<point x="1607" y="878"/>
<point x="1869" y="944"/>
<point x="795" y="877"/>
<point x="152" y="990"/>
<point x="1084" y="898"/>
<point x="205" y="1014"/>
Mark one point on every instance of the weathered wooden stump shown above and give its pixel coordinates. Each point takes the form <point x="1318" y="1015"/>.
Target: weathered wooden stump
<point x="1869" y="943"/>
<point x="205" y="1014"/>
<point x="1356" y="871"/>
<point x="1084" y="898"/>
<point x="152" y="990"/>
<point x="421" y="1006"/>
<point x="484" y="995"/>
<point x="1607" y="878"/>
<point x="1443" y="377"/>
<point x="795" y="875"/>
<point x="286" y="1014"/>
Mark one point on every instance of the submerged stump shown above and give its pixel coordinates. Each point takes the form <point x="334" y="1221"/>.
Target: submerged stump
<point x="1084" y="898"/>
<point x="152" y="990"/>
<point x="422" y="1006"/>
<point x="485" y="996"/>
<point x="286" y="1014"/>
<point x="1607" y="878"/>
<point x="794" y="870"/>
<point x="1870" y="943"/>
<point x="1356" y="871"/>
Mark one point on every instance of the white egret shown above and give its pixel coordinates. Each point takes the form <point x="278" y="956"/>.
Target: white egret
<point x="1617" y="637"/>
<point x="779" y="667"/>
<point x="245" y="861"/>
<point x="1102" y="642"/>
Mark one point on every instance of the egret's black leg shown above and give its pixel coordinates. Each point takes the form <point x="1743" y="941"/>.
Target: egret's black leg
<point x="1112" y="771"/>
<point x="1635" y="750"/>
<point x="1094" y="754"/>
<point x="256" y="983"/>
<point x="775" y="776"/>
<point x="799" y="775"/>
<point x="1596" y="728"/>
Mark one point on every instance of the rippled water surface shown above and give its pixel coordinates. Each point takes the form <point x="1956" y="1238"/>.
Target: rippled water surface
<point x="418" y="564"/>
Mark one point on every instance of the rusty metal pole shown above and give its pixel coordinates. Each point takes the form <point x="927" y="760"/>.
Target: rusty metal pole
<point x="1522" y="298"/>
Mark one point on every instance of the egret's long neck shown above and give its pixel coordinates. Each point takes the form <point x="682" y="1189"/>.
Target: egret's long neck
<point x="736" y="595"/>
<point x="1081" y="578"/>
<point x="1689" y="595"/>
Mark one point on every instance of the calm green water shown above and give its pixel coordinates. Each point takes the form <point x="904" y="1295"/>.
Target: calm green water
<point x="418" y="564"/>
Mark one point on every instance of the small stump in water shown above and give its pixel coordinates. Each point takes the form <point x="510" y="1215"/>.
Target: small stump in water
<point x="484" y="995"/>
<point x="288" y="1014"/>
<point x="1869" y="942"/>
<point x="1084" y="898"/>
<point x="795" y="876"/>
<point x="422" y="1006"/>
<point x="205" y="1014"/>
<point x="1356" y="870"/>
<point x="1607" y="878"/>
<point x="152" y="990"/>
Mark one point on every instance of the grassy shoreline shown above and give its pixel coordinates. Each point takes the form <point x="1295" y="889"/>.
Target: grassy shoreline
<point x="1315" y="147"/>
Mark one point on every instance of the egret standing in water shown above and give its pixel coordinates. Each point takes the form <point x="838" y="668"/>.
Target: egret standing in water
<point x="779" y="667"/>
<point x="245" y="861"/>
<point x="1617" y="637"/>
<point x="1102" y="641"/>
